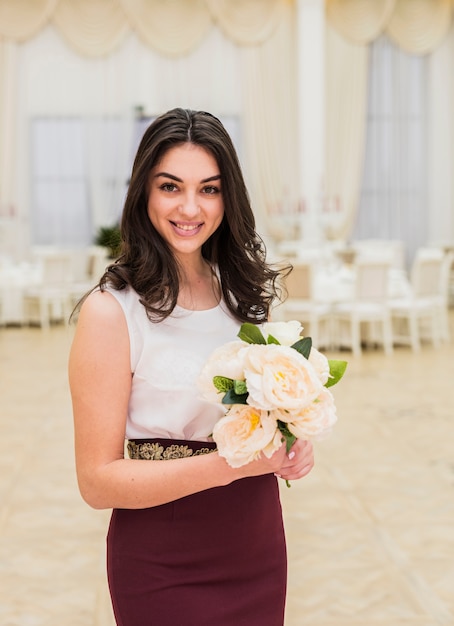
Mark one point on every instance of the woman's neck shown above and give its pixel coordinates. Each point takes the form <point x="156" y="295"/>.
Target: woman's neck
<point x="199" y="287"/>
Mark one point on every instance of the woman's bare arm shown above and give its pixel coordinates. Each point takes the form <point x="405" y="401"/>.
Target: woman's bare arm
<point x="100" y="382"/>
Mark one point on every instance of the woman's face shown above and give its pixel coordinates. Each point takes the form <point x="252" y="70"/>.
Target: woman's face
<point x="185" y="202"/>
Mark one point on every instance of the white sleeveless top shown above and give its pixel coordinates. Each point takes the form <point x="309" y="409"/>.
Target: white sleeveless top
<point x="166" y="359"/>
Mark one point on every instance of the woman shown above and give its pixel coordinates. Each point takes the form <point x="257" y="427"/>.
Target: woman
<point x="191" y="541"/>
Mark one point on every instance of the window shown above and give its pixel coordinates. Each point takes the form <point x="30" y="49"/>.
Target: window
<point x="79" y="176"/>
<point x="393" y="201"/>
<point x="60" y="211"/>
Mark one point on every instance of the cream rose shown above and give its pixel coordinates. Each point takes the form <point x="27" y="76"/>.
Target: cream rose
<point x="315" y="420"/>
<point x="227" y="360"/>
<point x="320" y="364"/>
<point x="244" y="433"/>
<point x="279" y="377"/>
<point x="287" y="333"/>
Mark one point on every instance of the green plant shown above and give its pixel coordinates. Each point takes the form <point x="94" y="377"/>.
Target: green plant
<point x="109" y="237"/>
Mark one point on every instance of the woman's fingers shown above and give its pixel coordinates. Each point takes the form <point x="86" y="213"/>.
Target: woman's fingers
<point x="299" y="461"/>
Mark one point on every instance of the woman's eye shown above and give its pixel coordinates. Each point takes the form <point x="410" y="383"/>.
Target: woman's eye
<point x="168" y="187"/>
<point x="211" y="189"/>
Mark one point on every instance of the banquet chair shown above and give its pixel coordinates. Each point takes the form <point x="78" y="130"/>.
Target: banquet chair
<point x="50" y="299"/>
<point x="447" y="273"/>
<point x="96" y="262"/>
<point x="366" y="317"/>
<point x="392" y="250"/>
<point x="301" y="304"/>
<point x="420" y="314"/>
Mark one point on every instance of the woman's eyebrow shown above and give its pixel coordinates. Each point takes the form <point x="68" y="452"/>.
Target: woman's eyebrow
<point x="179" y="180"/>
<point x="167" y="175"/>
<point x="208" y="180"/>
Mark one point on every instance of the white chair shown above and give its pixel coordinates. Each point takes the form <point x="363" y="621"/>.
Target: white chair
<point x="419" y="314"/>
<point x="96" y="262"/>
<point x="447" y="275"/>
<point x="50" y="300"/>
<point x="391" y="250"/>
<point x="99" y="261"/>
<point x="315" y="317"/>
<point x="367" y="313"/>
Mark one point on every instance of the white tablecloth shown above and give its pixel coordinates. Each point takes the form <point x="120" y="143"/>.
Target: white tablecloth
<point x="14" y="280"/>
<point x="338" y="284"/>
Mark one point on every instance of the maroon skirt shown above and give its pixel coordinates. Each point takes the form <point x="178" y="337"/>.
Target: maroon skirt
<point x="215" y="558"/>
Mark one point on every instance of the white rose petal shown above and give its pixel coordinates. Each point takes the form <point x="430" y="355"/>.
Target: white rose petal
<point x="279" y="377"/>
<point x="227" y="361"/>
<point x="314" y="421"/>
<point x="287" y="333"/>
<point x="320" y="364"/>
<point x="244" y="433"/>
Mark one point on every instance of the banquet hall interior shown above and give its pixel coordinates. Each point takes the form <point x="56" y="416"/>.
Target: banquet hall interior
<point x="341" y="114"/>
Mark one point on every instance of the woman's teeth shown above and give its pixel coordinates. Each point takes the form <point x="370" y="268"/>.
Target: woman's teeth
<point x="187" y="226"/>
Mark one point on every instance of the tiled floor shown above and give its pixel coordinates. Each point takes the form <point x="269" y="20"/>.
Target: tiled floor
<point x="370" y="531"/>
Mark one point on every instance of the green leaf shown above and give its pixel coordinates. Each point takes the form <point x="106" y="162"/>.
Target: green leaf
<point x="250" y="333"/>
<point x="233" y="398"/>
<point x="336" y="370"/>
<point x="303" y="346"/>
<point x="222" y="383"/>
<point x="239" y="387"/>
<point x="289" y="439"/>
<point x="272" y="339"/>
<point x="288" y="436"/>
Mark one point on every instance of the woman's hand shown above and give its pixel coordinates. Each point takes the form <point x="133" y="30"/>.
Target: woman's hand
<point x="298" y="462"/>
<point x="290" y="466"/>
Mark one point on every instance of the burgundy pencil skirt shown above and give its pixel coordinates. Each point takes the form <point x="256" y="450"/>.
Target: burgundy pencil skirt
<point x="215" y="558"/>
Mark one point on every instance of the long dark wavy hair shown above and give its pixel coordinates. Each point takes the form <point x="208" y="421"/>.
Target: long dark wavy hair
<point x="146" y="263"/>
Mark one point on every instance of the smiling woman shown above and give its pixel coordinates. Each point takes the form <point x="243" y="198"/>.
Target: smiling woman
<point x="191" y="269"/>
<point x="184" y="204"/>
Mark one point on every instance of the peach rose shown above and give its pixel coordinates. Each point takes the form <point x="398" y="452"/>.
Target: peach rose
<point x="315" y="420"/>
<point x="227" y="360"/>
<point x="279" y="377"/>
<point x="320" y="364"/>
<point x="244" y="433"/>
<point x="287" y="333"/>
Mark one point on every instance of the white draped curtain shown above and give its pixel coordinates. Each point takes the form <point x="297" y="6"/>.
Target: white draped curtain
<point x="143" y="52"/>
<point x="101" y="60"/>
<point x="440" y="91"/>
<point x="394" y="192"/>
<point x="421" y="28"/>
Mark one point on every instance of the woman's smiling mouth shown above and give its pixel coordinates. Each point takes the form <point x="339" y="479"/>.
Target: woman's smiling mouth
<point x="188" y="228"/>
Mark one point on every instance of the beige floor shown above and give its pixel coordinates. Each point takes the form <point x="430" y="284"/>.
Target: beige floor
<point x="370" y="531"/>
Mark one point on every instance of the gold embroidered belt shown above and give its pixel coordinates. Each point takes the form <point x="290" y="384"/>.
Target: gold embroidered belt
<point x="165" y="449"/>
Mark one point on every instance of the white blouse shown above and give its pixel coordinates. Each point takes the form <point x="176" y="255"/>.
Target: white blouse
<point x="166" y="359"/>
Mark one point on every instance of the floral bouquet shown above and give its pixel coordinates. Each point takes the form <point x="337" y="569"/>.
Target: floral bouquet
<point x="275" y="387"/>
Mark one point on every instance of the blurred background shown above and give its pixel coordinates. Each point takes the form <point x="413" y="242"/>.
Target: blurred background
<point x="341" y="113"/>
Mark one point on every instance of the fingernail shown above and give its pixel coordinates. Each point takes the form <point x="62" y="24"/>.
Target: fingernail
<point x="291" y="455"/>
<point x="278" y="475"/>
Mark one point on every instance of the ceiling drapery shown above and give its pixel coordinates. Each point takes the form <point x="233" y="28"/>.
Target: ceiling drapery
<point x="91" y="27"/>
<point x="22" y="20"/>
<point x="171" y="27"/>
<point x="417" y="26"/>
<point x="176" y="27"/>
<point x="359" y="21"/>
<point x="246" y="22"/>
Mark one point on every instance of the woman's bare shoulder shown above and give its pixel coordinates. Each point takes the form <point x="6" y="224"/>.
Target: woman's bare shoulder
<point x="100" y="315"/>
<point x="101" y="303"/>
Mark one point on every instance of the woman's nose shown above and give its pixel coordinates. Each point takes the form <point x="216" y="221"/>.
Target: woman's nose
<point x="189" y="207"/>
